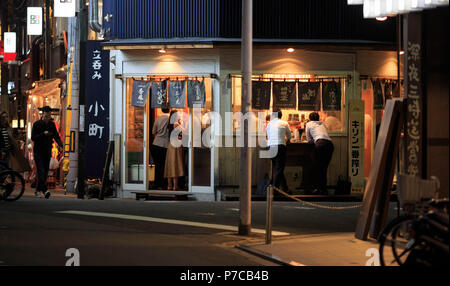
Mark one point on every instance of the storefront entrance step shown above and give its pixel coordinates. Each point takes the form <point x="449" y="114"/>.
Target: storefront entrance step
<point x="146" y="194"/>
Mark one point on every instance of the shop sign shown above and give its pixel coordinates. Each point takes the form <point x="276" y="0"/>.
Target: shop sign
<point x="413" y="73"/>
<point x="140" y="93"/>
<point x="159" y="94"/>
<point x="284" y="96"/>
<point x="378" y="101"/>
<point x="96" y="118"/>
<point x="261" y="95"/>
<point x="34" y="21"/>
<point x="64" y="8"/>
<point x="331" y="96"/>
<point x="308" y="96"/>
<point x="196" y="93"/>
<point x="177" y="94"/>
<point x="356" y="145"/>
<point x="9" y="42"/>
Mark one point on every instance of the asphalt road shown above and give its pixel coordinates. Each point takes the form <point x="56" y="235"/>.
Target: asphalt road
<point x="36" y="231"/>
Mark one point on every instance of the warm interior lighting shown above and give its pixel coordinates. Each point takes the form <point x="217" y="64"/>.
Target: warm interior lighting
<point x="162" y="51"/>
<point x="290" y="50"/>
<point x="14" y="123"/>
<point x="381" y="19"/>
<point x="402" y="52"/>
<point x="22" y="123"/>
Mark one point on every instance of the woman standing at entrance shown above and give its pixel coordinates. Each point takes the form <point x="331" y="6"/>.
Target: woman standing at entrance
<point x="174" y="167"/>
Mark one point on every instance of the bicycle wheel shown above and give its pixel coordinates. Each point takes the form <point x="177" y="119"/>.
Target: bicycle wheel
<point x="396" y="235"/>
<point x="12" y="185"/>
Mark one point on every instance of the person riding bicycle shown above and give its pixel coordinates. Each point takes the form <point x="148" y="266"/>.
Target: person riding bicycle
<point x="10" y="154"/>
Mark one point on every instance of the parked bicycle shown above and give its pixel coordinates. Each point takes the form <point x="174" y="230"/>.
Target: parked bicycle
<point x="12" y="184"/>
<point x="420" y="236"/>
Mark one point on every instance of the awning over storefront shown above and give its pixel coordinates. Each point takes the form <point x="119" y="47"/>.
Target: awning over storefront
<point x="45" y="88"/>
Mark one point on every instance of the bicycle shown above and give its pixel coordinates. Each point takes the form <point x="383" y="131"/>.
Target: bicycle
<point x="12" y="184"/>
<point x="420" y="238"/>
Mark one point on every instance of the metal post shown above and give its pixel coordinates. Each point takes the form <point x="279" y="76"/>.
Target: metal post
<point x="269" y="215"/>
<point x="246" y="158"/>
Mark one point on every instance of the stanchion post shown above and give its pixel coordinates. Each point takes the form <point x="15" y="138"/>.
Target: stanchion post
<point x="269" y="215"/>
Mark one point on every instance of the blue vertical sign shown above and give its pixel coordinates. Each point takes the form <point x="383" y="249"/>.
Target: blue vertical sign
<point x="96" y="109"/>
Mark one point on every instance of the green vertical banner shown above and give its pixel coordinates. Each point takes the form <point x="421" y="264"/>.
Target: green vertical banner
<point x="356" y="145"/>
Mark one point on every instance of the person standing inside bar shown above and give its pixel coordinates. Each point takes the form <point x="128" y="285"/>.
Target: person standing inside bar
<point x="317" y="133"/>
<point x="159" y="147"/>
<point x="278" y="133"/>
<point x="43" y="133"/>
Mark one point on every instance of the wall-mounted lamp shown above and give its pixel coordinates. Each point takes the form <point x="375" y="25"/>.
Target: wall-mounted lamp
<point x="381" y="19"/>
<point x="162" y="51"/>
<point x="290" y="50"/>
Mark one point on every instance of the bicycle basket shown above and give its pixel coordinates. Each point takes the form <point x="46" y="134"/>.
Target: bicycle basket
<point x="412" y="189"/>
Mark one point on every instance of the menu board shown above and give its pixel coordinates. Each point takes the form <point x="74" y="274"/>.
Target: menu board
<point x="284" y="95"/>
<point x="177" y="94"/>
<point x="331" y="96"/>
<point x="196" y="93"/>
<point x="159" y="94"/>
<point x="261" y="94"/>
<point x="308" y="96"/>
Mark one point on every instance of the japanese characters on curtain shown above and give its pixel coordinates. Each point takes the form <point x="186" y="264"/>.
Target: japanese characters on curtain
<point x="196" y="93"/>
<point x="378" y="100"/>
<point x="159" y="94"/>
<point x="331" y="95"/>
<point x="308" y="96"/>
<point x="284" y="96"/>
<point x="140" y="93"/>
<point x="177" y="94"/>
<point x="261" y="94"/>
<point x="96" y="108"/>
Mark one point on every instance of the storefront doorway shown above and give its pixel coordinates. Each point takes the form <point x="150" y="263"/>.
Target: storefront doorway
<point x="138" y="168"/>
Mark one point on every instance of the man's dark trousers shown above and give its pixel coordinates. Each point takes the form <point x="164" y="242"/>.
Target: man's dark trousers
<point x="42" y="161"/>
<point x="323" y="151"/>
<point x="278" y="164"/>
<point x="159" y="156"/>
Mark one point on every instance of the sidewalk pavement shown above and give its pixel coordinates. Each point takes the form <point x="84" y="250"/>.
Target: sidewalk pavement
<point x="332" y="249"/>
<point x="325" y="249"/>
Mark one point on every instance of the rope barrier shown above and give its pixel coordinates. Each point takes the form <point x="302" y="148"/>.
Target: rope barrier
<point x="314" y="204"/>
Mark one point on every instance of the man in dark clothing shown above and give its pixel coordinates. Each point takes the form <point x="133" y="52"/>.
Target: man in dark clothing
<point x="43" y="133"/>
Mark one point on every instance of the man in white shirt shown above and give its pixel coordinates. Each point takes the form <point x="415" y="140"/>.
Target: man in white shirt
<point x="278" y="133"/>
<point x="317" y="133"/>
<point x="160" y="133"/>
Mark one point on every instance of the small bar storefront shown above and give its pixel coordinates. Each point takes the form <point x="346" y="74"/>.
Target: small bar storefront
<point x="297" y="82"/>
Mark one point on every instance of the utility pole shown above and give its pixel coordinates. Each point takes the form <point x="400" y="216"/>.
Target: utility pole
<point x="245" y="184"/>
<point x="83" y="20"/>
<point x="47" y="41"/>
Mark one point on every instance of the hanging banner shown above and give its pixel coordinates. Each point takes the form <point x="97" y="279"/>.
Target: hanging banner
<point x="140" y="93"/>
<point x="356" y="145"/>
<point x="34" y="21"/>
<point x="9" y="42"/>
<point x="389" y="90"/>
<point x="64" y="8"/>
<point x="177" y="94"/>
<point x="261" y="95"/>
<point x="159" y="94"/>
<point x="196" y="93"/>
<point x="331" y="96"/>
<point x="96" y="118"/>
<point x="308" y="96"/>
<point x="284" y="95"/>
<point x="413" y="89"/>
<point x="378" y="101"/>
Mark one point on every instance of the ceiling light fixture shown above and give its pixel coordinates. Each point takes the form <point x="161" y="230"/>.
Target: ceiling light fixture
<point x="290" y="50"/>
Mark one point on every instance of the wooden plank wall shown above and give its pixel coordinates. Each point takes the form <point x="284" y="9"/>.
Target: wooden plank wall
<point x="229" y="164"/>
